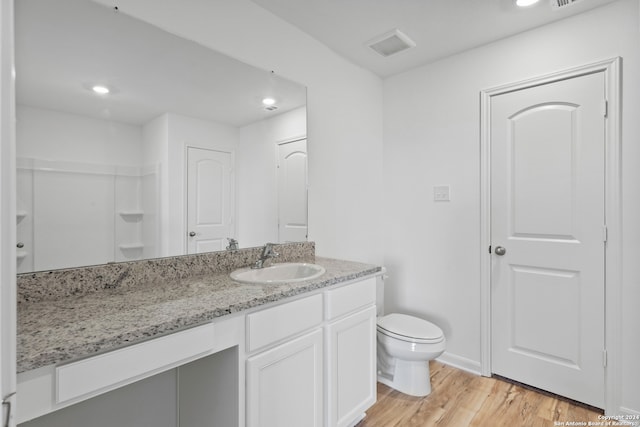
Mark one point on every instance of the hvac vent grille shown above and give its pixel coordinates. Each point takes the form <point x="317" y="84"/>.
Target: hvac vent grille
<point x="559" y="4"/>
<point x="391" y="43"/>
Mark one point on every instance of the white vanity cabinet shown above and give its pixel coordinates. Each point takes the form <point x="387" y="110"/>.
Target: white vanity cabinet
<point x="284" y="384"/>
<point x="350" y="352"/>
<point x="325" y="374"/>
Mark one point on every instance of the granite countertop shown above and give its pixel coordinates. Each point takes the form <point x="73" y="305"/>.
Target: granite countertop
<point x="71" y="327"/>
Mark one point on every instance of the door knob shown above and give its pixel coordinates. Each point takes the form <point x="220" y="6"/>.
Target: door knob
<point x="500" y="250"/>
<point x="192" y="233"/>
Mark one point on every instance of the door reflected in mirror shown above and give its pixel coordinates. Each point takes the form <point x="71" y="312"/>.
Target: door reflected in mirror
<point x="180" y="143"/>
<point x="292" y="191"/>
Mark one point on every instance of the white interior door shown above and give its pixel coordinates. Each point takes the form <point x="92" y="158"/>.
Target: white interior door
<point x="209" y="200"/>
<point x="292" y="191"/>
<point x="547" y="214"/>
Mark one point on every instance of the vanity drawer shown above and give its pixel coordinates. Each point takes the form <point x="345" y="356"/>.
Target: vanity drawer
<point x="124" y="365"/>
<point x="351" y="297"/>
<point x="274" y="324"/>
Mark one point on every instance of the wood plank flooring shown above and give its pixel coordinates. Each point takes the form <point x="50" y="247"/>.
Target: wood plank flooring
<point x="461" y="399"/>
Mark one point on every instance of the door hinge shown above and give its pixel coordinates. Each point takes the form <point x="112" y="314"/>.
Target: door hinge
<point x="605" y="108"/>
<point x="605" y="233"/>
<point x="604" y="358"/>
<point x="489" y="248"/>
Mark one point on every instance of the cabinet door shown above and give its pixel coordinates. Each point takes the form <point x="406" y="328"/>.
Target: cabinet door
<point x="351" y="387"/>
<point x="284" y="384"/>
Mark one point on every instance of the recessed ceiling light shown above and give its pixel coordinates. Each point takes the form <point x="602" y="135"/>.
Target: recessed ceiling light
<point x="99" y="89"/>
<point x="525" y="3"/>
<point x="268" y="101"/>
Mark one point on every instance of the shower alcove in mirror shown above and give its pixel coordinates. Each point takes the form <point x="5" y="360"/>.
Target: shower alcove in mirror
<point x="180" y="145"/>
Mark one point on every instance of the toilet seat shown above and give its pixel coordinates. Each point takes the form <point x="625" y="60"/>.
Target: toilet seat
<point x="409" y="329"/>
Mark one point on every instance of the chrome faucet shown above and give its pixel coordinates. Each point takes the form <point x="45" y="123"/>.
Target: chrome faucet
<point x="267" y="252"/>
<point x="233" y="244"/>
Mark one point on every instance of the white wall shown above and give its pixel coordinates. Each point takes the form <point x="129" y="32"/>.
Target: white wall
<point x="155" y="151"/>
<point x="55" y="135"/>
<point x="431" y="137"/>
<point x="257" y="195"/>
<point x="344" y="112"/>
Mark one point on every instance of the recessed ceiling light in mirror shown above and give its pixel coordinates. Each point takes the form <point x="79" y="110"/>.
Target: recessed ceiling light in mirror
<point x="525" y="3"/>
<point x="268" y="101"/>
<point x="100" y="89"/>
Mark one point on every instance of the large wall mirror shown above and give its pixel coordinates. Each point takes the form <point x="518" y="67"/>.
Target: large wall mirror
<point x="133" y="143"/>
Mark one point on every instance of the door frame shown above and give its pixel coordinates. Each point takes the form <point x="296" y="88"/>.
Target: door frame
<point x="7" y="214"/>
<point x="613" y="217"/>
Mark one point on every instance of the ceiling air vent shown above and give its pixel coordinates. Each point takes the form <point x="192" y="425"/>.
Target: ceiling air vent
<point x="559" y="4"/>
<point x="391" y="43"/>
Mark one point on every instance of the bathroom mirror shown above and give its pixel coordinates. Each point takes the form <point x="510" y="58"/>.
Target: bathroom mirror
<point x="134" y="143"/>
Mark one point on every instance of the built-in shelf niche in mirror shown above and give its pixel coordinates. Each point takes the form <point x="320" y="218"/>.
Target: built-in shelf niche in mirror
<point x="103" y="178"/>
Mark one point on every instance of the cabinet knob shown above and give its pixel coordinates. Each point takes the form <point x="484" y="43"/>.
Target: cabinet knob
<point x="192" y="233"/>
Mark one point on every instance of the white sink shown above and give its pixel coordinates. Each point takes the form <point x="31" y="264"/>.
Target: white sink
<point x="288" y="272"/>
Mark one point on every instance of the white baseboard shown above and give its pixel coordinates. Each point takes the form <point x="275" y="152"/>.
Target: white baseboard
<point x="627" y="411"/>
<point x="357" y="420"/>
<point x="468" y="365"/>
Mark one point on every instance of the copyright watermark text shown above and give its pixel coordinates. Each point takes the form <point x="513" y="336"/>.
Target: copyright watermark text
<point x="604" y="421"/>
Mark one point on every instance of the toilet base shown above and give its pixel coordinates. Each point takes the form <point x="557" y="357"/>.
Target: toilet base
<point x="408" y="377"/>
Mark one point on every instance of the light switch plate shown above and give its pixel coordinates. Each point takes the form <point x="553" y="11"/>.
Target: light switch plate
<point x="441" y="193"/>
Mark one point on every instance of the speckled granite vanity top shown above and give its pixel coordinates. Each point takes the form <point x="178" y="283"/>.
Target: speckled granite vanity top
<point x="79" y="324"/>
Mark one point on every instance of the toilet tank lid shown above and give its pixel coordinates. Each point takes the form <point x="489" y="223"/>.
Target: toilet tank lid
<point x="409" y="326"/>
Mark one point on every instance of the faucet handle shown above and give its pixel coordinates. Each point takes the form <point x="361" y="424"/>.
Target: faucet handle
<point x="233" y="244"/>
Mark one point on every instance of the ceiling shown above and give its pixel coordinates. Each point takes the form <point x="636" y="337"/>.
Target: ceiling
<point x="64" y="47"/>
<point x="440" y="28"/>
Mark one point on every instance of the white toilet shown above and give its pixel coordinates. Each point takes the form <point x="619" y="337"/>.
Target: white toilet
<point x="406" y="344"/>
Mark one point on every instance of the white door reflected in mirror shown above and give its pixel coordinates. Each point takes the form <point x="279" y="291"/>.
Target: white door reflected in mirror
<point x="292" y="191"/>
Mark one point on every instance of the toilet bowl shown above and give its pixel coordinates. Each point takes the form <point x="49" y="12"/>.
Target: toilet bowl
<point x="406" y="344"/>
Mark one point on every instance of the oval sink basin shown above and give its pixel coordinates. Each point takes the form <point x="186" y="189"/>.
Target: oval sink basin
<point x="288" y="272"/>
